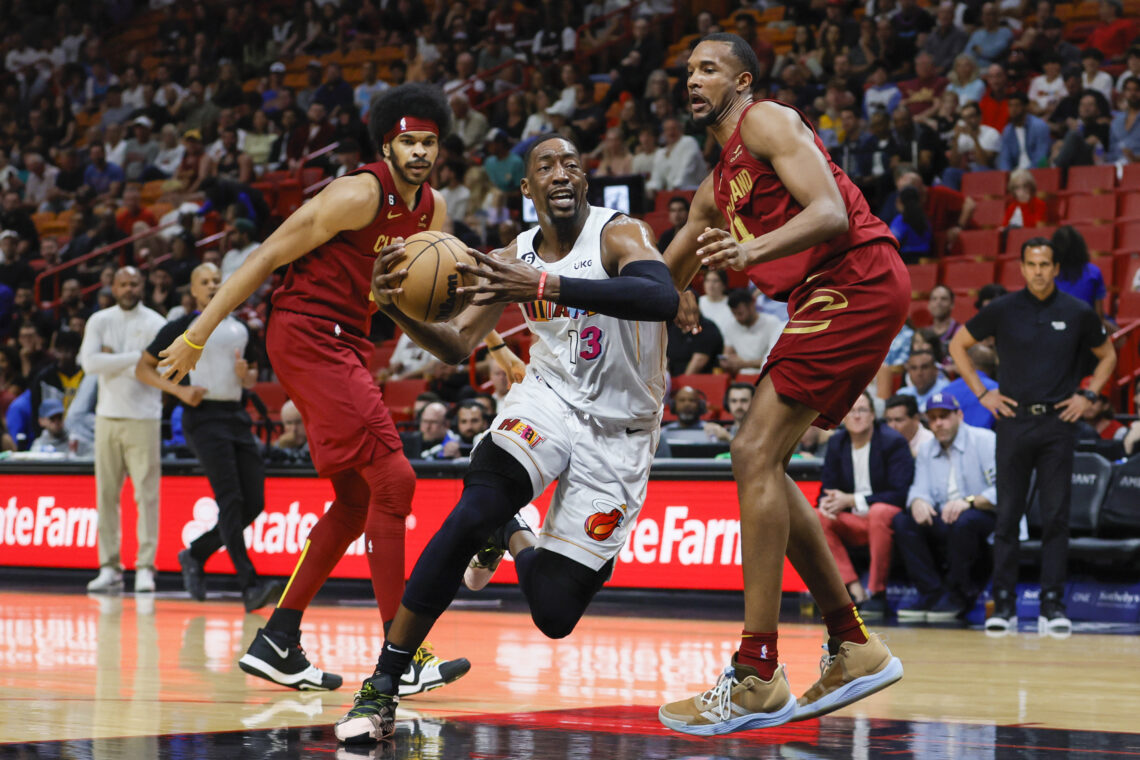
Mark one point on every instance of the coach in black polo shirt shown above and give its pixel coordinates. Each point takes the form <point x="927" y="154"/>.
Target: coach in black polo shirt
<point x="1042" y="335"/>
<point x="218" y="430"/>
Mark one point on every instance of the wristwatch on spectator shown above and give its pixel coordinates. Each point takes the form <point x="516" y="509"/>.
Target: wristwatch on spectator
<point x="970" y="501"/>
<point x="1090" y="395"/>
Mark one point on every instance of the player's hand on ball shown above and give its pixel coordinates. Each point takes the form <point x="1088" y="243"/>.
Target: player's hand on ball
<point x="720" y="251"/>
<point x="385" y="284"/>
<point x="501" y="279"/>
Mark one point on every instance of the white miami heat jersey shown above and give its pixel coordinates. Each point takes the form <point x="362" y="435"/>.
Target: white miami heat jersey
<point x="609" y="368"/>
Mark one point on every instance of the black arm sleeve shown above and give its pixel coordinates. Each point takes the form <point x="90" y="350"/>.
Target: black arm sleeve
<point x="642" y="291"/>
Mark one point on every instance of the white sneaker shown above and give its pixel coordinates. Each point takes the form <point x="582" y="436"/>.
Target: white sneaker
<point x="144" y="580"/>
<point x="109" y="581"/>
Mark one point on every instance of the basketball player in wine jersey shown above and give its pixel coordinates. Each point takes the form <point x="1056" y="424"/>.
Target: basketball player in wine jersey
<point x="804" y="234"/>
<point x="595" y="293"/>
<point x="319" y="348"/>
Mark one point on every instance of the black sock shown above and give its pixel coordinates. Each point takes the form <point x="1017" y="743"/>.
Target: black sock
<point x="285" y="621"/>
<point x="393" y="662"/>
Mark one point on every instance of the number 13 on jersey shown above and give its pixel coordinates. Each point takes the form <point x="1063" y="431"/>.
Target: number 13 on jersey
<point x="586" y="344"/>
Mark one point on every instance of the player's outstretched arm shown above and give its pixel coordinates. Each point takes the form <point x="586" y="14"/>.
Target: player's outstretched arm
<point x="681" y="256"/>
<point x="348" y="203"/>
<point x="451" y="341"/>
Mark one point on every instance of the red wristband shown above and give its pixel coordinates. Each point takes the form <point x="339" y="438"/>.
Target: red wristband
<point x="541" y="285"/>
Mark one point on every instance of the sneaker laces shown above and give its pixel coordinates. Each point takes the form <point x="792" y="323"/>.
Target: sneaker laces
<point x="424" y="656"/>
<point x="368" y="701"/>
<point x="721" y="694"/>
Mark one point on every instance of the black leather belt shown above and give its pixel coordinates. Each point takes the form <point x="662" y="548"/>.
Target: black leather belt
<point x="1038" y="409"/>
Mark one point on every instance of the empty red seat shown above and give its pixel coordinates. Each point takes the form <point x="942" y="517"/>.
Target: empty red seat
<point x="1130" y="177"/>
<point x="273" y="396"/>
<point x="658" y="221"/>
<point x="290" y="196"/>
<point x="1089" y="209"/>
<point x="311" y="175"/>
<point x="967" y="274"/>
<point x="1128" y="307"/>
<point x="980" y="243"/>
<point x="923" y="278"/>
<point x="1099" y="238"/>
<point x="1127" y="237"/>
<point x="989" y="212"/>
<point x="1048" y="180"/>
<point x="400" y="397"/>
<point x="1009" y="273"/>
<point x="1018" y="235"/>
<point x="1128" y="204"/>
<point x="920" y="314"/>
<point x="990" y="184"/>
<point x="1091" y="179"/>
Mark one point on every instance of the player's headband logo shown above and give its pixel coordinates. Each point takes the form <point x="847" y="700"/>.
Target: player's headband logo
<point x="411" y="124"/>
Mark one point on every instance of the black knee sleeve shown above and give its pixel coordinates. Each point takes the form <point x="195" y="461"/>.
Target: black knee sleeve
<point x="558" y="589"/>
<point x="491" y="465"/>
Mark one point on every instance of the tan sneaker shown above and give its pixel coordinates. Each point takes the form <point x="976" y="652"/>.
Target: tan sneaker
<point x="740" y="700"/>
<point x="847" y="675"/>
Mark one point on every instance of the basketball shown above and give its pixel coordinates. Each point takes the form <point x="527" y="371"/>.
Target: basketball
<point x="430" y="287"/>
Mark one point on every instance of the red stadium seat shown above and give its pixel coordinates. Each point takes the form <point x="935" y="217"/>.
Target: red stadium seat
<point x="989" y="213"/>
<point x="275" y="176"/>
<point x="1091" y="179"/>
<point x="1099" y="238"/>
<point x="985" y="184"/>
<point x="963" y="308"/>
<point x="400" y="397"/>
<point x="1130" y="177"/>
<point x="1107" y="267"/>
<point x="1015" y="237"/>
<point x="381" y="356"/>
<point x="1128" y="204"/>
<point x="967" y="274"/>
<point x="289" y="198"/>
<point x="1089" y="209"/>
<point x="1127" y="238"/>
<point x="1128" y="307"/>
<point x="980" y="243"/>
<point x="713" y="386"/>
<point x="1048" y="180"/>
<point x="1009" y="273"/>
<point x="311" y="175"/>
<point x="658" y="221"/>
<point x="273" y="396"/>
<point x="920" y="314"/>
<point x="923" y="278"/>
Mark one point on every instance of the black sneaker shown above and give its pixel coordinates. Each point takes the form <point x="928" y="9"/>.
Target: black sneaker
<point x="484" y="564"/>
<point x="428" y="672"/>
<point x="1052" y="618"/>
<point x="373" y="715"/>
<point x="873" y="608"/>
<point x="948" y="609"/>
<point x="260" y="594"/>
<point x="280" y="659"/>
<point x="1004" y="617"/>
<point x="193" y="576"/>
<point x="917" y="610"/>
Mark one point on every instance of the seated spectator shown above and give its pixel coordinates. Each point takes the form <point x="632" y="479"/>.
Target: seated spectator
<point x="921" y="94"/>
<point x="901" y="413"/>
<point x="133" y="211"/>
<point x="866" y="473"/>
<point x="53" y="439"/>
<point x="292" y="446"/>
<point x="1087" y="135"/>
<point x="79" y="421"/>
<point x="1100" y="416"/>
<point x="169" y="156"/>
<point x="678" y="164"/>
<point x="1024" y="209"/>
<point x="1132" y="69"/>
<point x="504" y="167"/>
<point x="926" y="380"/>
<point x="995" y="103"/>
<point x="1078" y="276"/>
<point x="917" y="143"/>
<point x="1092" y="78"/>
<point x="973" y="413"/>
<point x="949" y="211"/>
<point x="750" y="337"/>
<point x="880" y="153"/>
<point x="964" y="81"/>
<point x="471" y="422"/>
<point x="714" y="302"/>
<point x="616" y="160"/>
<point x="433" y="439"/>
<point x="880" y="94"/>
<point x="946" y="40"/>
<point x="737" y="401"/>
<point x="950" y="506"/>
<point x="911" y="227"/>
<point x="989" y="42"/>
<point x="1025" y="141"/>
<point x="40" y="185"/>
<point x="311" y="135"/>
<point x="242" y="238"/>
<point x="141" y="150"/>
<point x="974" y="145"/>
<point x="105" y="178"/>
<point x="232" y="162"/>
<point x="1048" y="88"/>
<point x="408" y="360"/>
<point x="689" y="405"/>
<point x="941" y="306"/>
<point x="693" y="354"/>
<point x="678" y="215"/>
<point x="1124" y="134"/>
<point x="471" y="125"/>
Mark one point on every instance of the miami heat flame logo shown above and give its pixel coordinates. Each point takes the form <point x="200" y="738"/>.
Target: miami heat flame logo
<point x="602" y="524"/>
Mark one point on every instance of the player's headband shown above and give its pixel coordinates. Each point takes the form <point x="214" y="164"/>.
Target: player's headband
<point x="411" y="124"/>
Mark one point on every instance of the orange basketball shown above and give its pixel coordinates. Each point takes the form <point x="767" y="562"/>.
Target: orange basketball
<point x="429" y="289"/>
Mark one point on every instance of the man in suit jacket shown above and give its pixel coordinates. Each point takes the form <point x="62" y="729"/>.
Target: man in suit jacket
<point x="867" y="471"/>
<point x="1025" y="141"/>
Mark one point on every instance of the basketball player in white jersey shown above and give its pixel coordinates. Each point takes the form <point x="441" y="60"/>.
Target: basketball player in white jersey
<point x="596" y="293"/>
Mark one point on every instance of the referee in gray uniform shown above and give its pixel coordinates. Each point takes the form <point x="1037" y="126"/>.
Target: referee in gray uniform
<point x="218" y="430"/>
<point x="1043" y="336"/>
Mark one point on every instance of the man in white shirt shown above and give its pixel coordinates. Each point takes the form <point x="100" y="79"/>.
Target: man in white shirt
<point x="127" y="428"/>
<point x="41" y="181"/>
<point x="978" y="142"/>
<point x="470" y="125"/>
<point x="902" y="415"/>
<point x="243" y="245"/>
<point x="454" y="192"/>
<point x="750" y="336"/>
<point x="1046" y="90"/>
<point x="678" y="163"/>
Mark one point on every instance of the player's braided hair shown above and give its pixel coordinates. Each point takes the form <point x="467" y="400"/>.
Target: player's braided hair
<point x="418" y="99"/>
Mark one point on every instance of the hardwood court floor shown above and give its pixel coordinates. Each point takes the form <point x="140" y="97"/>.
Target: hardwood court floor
<point x="137" y="677"/>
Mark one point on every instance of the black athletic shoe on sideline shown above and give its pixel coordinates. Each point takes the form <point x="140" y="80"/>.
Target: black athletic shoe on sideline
<point x="281" y="659"/>
<point x="193" y="576"/>
<point x="373" y="714"/>
<point x="484" y="564"/>
<point x="428" y="672"/>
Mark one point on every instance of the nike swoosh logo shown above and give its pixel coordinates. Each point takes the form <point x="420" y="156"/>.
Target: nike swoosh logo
<point x="414" y="677"/>
<point x="393" y="216"/>
<point x="282" y="653"/>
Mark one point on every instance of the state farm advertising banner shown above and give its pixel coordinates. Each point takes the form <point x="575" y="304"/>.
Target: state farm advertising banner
<point x="686" y="537"/>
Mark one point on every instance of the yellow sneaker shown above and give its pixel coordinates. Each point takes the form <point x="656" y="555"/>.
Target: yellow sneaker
<point x="739" y="701"/>
<point x="847" y="674"/>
